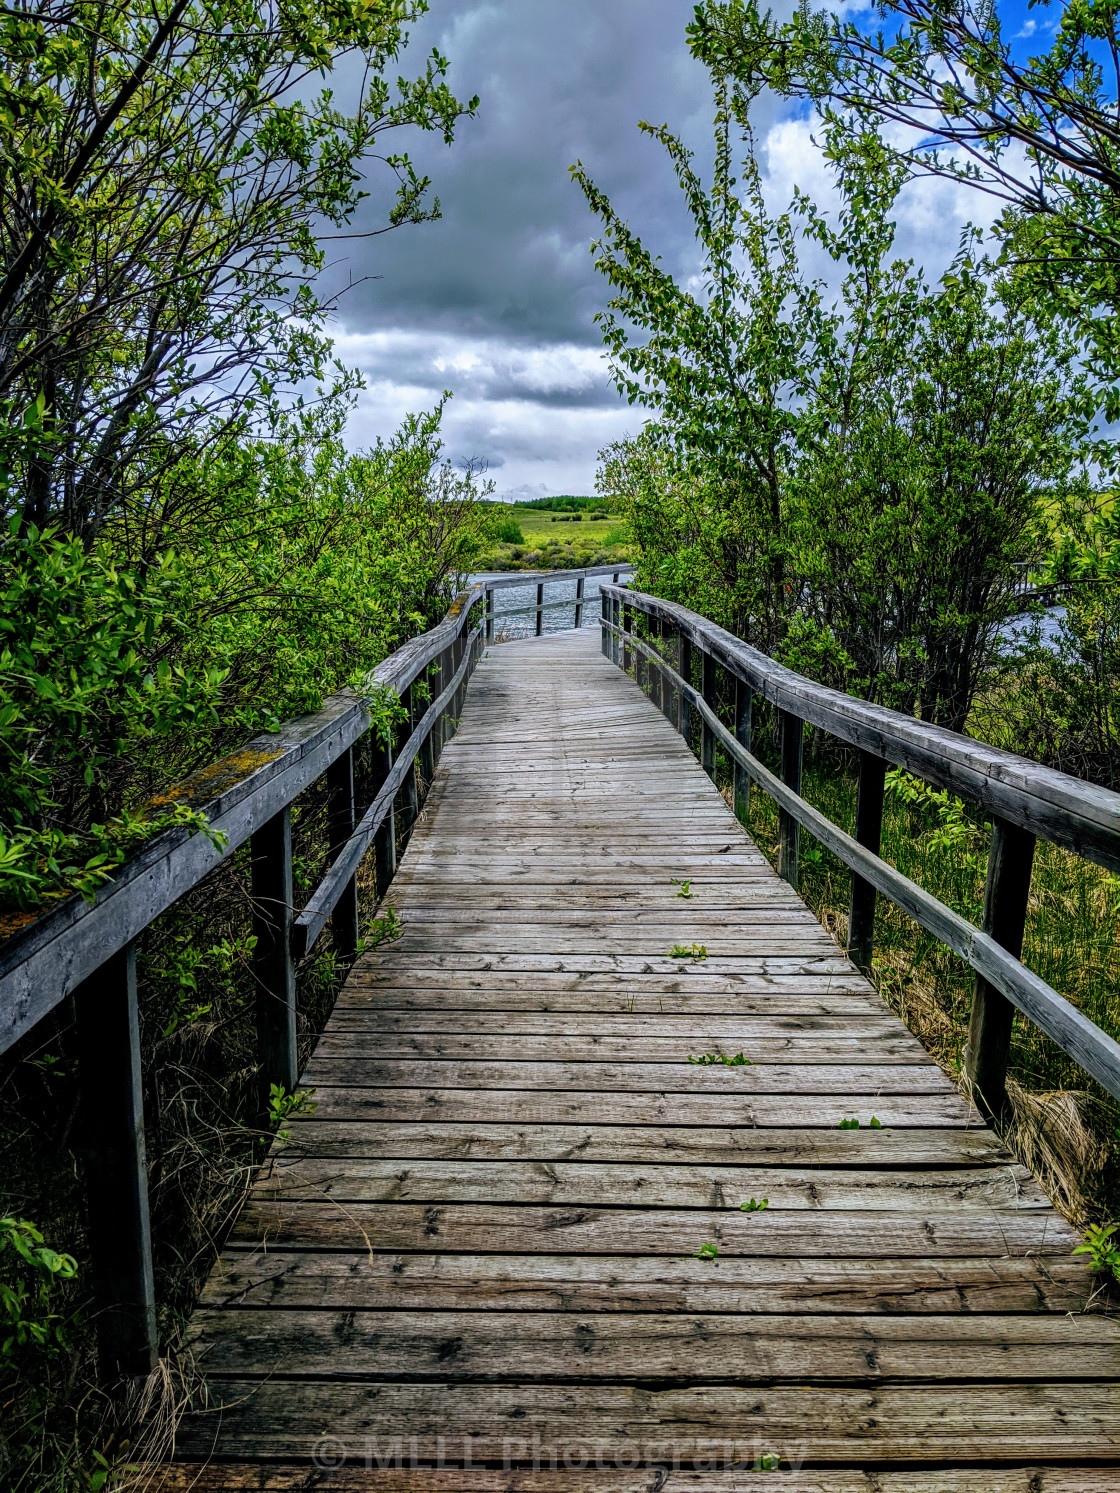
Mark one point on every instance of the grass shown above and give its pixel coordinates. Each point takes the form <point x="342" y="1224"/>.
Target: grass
<point x="553" y="541"/>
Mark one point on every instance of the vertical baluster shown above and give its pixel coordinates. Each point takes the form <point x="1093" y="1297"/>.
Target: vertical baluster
<point x="659" y="690"/>
<point x="116" y="1174"/>
<point x="1006" y="895"/>
<point x="427" y="746"/>
<point x="708" y="736"/>
<point x="684" y="708"/>
<point x="627" y="628"/>
<point x="791" y="774"/>
<point x="488" y="602"/>
<point x="273" y="969"/>
<point x="616" y="617"/>
<point x="743" y="702"/>
<point x="641" y="666"/>
<point x="340" y="796"/>
<point x="869" y="833"/>
<point x="385" y="840"/>
<point x="579" y="603"/>
<point x="603" y="611"/>
<point x="540" y="608"/>
<point x="439" y="684"/>
<point x="408" y="797"/>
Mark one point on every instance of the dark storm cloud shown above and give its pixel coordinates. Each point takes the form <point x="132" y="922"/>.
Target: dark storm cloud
<point x="558" y="80"/>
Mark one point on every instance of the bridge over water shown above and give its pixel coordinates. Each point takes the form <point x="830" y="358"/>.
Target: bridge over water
<point x="526" y="1241"/>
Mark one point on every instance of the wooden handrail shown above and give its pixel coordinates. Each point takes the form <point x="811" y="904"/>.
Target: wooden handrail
<point x="1002" y="981"/>
<point x="87" y="950"/>
<point x="1068" y="811"/>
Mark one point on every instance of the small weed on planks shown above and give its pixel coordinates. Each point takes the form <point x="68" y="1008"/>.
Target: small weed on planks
<point x="381" y="930"/>
<point x="705" y="1252"/>
<point x="709" y="1059"/>
<point x="754" y="1205"/>
<point x="1102" y="1249"/>
<point x="768" y="1462"/>
<point x="688" y="951"/>
<point x="872" y="1124"/>
<point x="281" y="1104"/>
<point x="685" y="887"/>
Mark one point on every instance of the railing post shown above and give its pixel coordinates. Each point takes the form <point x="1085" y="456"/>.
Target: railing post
<point x="385" y="840"/>
<point x="616" y="618"/>
<point x="340" y="794"/>
<point x="427" y="746"/>
<point x="438" y="685"/>
<point x="273" y="968"/>
<point x="1006" y="894"/>
<point x="488" y="608"/>
<point x="408" y="795"/>
<point x="684" y="708"/>
<point x="579" y="602"/>
<point x="641" y="665"/>
<point x="869" y="833"/>
<point x="743" y="701"/>
<point x="116" y="1173"/>
<point x="603" y="611"/>
<point x="708" y="736"/>
<point x="658" y="675"/>
<point x="627" y="625"/>
<point x="540" y="608"/>
<point x="788" y="827"/>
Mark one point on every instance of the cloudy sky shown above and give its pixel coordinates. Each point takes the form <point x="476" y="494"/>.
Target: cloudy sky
<point x="495" y="301"/>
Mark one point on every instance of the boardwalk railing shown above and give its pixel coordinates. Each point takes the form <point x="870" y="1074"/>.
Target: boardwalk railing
<point x="542" y="579"/>
<point x="1025" y="800"/>
<point x="85" y="952"/>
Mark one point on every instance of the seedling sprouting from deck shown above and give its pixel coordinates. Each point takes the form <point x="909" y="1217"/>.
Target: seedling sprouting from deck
<point x="688" y="951"/>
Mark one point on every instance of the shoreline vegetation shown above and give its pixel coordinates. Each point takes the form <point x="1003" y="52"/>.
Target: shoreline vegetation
<point x="566" y="532"/>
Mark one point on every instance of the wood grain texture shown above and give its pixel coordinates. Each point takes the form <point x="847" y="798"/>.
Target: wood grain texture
<point x="482" y="1247"/>
<point x="252" y="1477"/>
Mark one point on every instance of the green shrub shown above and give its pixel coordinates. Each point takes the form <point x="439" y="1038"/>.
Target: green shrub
<point x="508" y="531"/>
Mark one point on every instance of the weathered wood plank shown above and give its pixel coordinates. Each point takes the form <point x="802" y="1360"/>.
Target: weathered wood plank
<point x="589" y="1283"/>
<point x="606" y="1184"/>
<point x="621" y="1346"/>
<point x="472" y="1228"/>
<point x="559" y="1107"/>
<point x="356" y="1044"/>
<point x="254" y="1478"/>
<point x="660" y="1078"/>
<point x="619" y="1426"/>
<point x="644" y="1144"/>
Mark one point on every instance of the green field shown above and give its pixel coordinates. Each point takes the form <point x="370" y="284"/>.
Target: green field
<point x="552" y="540"/>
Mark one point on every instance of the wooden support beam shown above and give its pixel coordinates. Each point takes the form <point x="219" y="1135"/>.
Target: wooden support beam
<point x="116" y="1174"/>
<point x="869" y="833"/>
<point x="273" y="967"/>
<point x="540" y="608"/>
<point x="409" y="799"/>
<point x="604" y="644"/>
<point x="385" y="841"/>
<point x="743" y="702"/>
<point x="579" y="603"/>
<point x="340" y="792"/>
<point x="708" y="737"/>
<point x="788" y="828"/>
<point x="488" y="607"/>
<point x="1006" y="895"/>
<point x="684" y="708"/>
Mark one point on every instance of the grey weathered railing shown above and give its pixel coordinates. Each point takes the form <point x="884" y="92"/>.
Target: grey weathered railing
<point x="86" y="952"/>
<point x="1025" y="800"/>
<point x="541" y="579"/>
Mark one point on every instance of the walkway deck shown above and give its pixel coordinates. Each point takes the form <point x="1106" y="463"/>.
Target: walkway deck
<point x="481" y="1251"/>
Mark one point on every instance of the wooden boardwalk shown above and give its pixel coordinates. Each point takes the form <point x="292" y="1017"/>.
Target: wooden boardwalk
<point x="480" y="1265"/>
